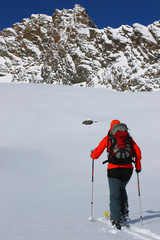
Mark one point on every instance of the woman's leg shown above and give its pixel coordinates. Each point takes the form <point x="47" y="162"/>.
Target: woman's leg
<point x="114" y="187"/>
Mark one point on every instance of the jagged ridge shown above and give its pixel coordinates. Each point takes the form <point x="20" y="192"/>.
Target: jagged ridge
<point x="68" y="48"/>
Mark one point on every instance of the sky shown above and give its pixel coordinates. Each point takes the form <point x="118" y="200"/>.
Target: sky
<point x="112" y="13"/>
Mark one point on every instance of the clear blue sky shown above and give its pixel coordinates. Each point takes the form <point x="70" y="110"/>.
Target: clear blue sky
<point x="104" y="13"/>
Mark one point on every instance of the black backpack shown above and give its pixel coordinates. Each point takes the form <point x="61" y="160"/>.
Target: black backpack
<point x="121" y="151"/>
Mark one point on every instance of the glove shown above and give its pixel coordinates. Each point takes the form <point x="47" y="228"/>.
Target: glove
<point x="138" y="171"/>
<point x="91" y="152"/>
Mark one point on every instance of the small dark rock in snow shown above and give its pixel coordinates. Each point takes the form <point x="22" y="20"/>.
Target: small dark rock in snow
<point x="87" y="122"/>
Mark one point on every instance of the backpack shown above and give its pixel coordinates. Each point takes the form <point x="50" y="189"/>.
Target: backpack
<point x="121" y="151"/>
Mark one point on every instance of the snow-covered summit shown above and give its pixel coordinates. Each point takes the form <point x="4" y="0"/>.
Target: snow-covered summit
<point x="68" y="48"/>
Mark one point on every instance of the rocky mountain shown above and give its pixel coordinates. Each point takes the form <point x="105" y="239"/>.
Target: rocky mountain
<point x="68" y="48"/>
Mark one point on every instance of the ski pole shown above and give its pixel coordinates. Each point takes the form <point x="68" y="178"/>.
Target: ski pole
<point x="91" y="217"/>
<point x="139" y="195"/>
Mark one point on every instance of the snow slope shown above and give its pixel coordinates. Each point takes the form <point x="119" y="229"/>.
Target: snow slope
<point x="45" y="165"/>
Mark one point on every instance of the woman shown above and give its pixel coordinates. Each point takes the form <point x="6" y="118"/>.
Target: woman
<point x="118" y="177"/>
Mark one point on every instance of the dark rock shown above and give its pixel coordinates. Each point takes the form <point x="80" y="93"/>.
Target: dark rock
<point x="87" y="122"/>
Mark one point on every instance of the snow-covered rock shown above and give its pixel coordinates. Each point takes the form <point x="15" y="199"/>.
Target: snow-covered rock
<point x="68" y="48"/>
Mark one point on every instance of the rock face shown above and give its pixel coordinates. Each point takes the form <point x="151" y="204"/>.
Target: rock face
<point x="68" y="48"/>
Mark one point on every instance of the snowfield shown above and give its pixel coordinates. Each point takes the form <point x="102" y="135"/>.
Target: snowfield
<point x="45" y="165"/>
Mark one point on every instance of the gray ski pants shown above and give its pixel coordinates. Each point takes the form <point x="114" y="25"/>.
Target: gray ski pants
<point x="118" y="197"/>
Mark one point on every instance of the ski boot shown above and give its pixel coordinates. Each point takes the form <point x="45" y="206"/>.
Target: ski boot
<point x="124" y="213"/>
<point x="116" y="224"/>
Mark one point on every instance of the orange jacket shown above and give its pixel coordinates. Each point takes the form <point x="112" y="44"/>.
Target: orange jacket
<point x="103" y="144"/>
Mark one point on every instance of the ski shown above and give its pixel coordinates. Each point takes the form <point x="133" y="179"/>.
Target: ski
<point x="123" y="224"/>
<point x="107" y="214"/>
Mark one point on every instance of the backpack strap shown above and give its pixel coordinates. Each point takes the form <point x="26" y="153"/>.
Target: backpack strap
<point x="109" y="136"/>
<point x="108" y="140"/>
<point x="133" y="152"/>
<point x="105" y="161"/>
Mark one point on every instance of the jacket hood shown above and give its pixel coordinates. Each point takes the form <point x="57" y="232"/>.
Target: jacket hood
<point x="113" y="123"/>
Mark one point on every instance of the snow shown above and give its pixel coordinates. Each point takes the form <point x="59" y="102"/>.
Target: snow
<point x="86" y="67"/>
<point x="2" y="60"/>
<point x="6" y="79"/>
<point x="155" y="30"/>
<point x="105" y="37"/>
<point x="117" y="34"/>
<point x="45" y="165"/>
<point x="84" y="31"/>
<point x="79" y="52"/>
<point x="144" y="32"/>
<point x="32" y="47"/>
<point x="43" y="17"/>
<point x="70" y="61"/>
<point x="2" y="44"/>
<point x="121" y="60"/>
<point x="10" y="32"/>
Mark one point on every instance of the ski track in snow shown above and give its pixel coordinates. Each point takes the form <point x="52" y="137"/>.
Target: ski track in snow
<point x="139" y="233"/>
<point x="146" y="232"/>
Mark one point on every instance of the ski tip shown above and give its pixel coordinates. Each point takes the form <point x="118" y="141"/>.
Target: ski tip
<point x="107" y="214"/>
<point x="126" y="226"/>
